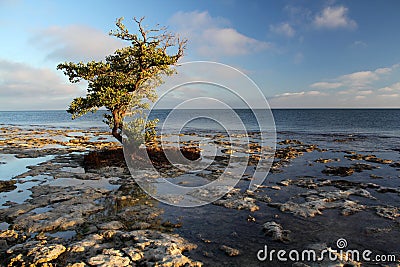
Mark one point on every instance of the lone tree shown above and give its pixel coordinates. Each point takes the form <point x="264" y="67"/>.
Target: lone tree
<point x="126" y="74"/>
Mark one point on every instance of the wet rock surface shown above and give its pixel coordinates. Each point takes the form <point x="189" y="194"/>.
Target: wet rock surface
<point x="276" y="231"/>
<point x="7" y="186"/>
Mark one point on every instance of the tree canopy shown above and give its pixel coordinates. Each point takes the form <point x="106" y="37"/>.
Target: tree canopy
<point x="114" y="82"/>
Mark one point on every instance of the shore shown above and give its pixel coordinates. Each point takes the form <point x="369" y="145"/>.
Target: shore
<point x="59" y="212"/>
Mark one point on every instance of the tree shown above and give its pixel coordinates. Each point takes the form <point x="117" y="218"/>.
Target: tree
<point x="128" y="72"/>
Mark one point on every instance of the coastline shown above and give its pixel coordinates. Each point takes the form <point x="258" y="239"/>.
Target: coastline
<point x="314" y="195"/>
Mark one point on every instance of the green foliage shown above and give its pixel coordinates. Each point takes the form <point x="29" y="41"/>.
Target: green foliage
<point x="137" y="129"/>
<point x="131" y="72"/>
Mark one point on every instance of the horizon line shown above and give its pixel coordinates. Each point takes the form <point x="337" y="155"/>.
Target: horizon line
<point x="275" y="108"/>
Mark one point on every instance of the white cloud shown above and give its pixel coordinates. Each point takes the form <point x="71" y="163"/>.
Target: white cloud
<point x="290" y="94"/>
<point x="359" y="79"/>
<point x="26" y="87"/>
<point x="283" y="28"/>
<point x="365" y="92"/>
<point x="390" y="95"/>
<point x="334" y="17"/>
<point x="75" y="43"/>
<point x="390" y="88"/>
<point x="299" y="94"/>
<point x="363" y="79"/>
<point x="213" y="37"/>
<point x="326" y="85"/>
<point x="383" y="70"/>
<point x="356" y="80"/>
<point x="357" y="89"/>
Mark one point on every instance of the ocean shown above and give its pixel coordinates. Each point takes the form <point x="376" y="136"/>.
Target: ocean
<point x="312" y="121"/>
<point x="380" y="128"/>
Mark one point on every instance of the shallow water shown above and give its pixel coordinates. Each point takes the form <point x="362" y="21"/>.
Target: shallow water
<point x="15" y="166"/>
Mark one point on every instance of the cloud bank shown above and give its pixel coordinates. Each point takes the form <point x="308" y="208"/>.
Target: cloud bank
<point x="354" y="90"/>
<point x="333" y="17"/>
<point x="212" y="37"/>
<point x="75" y="43"/>
<point x="37" y="88"/>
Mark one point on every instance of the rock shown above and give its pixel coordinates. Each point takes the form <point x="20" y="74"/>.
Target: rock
<point x="389" y="212"/>
<point x="64" y="214"/>
<point x="276" y="231"/>
<point x="134" y="253"/>
<point x="113" y="225"/>
<point x="228" y="151"/>
<point x="285" y="182"/>
<point x="251" y="218"/>
<point x="316" y="202"/>
<point x="9" y="235"/>
<point x="86" y="244"/>
<point x="369" y="158"/>
<point x="321" y="160"/>
<point x="351" y="207"/>
<point x="290" y="142"/>
<point x="275" y="187"/>
<point x="383" y="189"/>
<point x="6" y="186"/>
<point x="77" y="264"/>
<point x="236" y="200"/>
<point x="163" y="248"/>
<point x="359" y="167"/>
<point x="231" y="252"/>
<point x="3" y="244"/>
<point x="109" y="258"/>
<point x="48" y="253"/>
<point x="308" y="209"/>
<point x="339" y="171"/>
<point x="374" y="176"/>
<point x="122" y="248"/>
<point x="395" y="164"/>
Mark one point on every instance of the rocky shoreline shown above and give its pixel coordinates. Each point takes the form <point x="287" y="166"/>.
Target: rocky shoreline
<point x="90" y="218"/>
<point x="77" y="216"/>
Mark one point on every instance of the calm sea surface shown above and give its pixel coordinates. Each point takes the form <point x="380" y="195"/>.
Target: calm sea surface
<point x="373" y="129"/>
<point x="311" y="121"/>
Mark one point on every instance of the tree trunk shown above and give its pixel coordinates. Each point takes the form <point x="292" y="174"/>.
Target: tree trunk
<point x="116" y="133"/>
<point x="116" y="128"/>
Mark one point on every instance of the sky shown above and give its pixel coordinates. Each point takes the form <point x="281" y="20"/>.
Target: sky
<point x="301" y="54"/>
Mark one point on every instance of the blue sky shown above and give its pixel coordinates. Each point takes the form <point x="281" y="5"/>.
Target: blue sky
<point x="300" y="53"/>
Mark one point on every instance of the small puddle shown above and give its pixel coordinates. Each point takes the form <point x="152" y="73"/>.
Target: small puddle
<point x="4" y="226"/>
<point x="15" y="166"/>
<point x="102" y="183"/>
<point x="41" y="210"/>
<point x="18" y="195"/>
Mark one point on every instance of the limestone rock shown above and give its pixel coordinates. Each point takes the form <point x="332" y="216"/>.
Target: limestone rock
<point x="43" y="254"/>
<point x="276" y="231"/>
<point x="231" y="252"/>
<point x="113" y="225"/>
